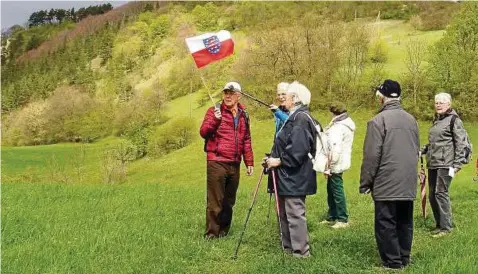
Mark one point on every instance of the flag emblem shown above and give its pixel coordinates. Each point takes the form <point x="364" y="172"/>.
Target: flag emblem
<point x="210" y="47"/>
<point x="212" y="44"/>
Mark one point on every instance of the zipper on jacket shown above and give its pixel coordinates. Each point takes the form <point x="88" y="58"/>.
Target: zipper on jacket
<point x="235" y="133"/>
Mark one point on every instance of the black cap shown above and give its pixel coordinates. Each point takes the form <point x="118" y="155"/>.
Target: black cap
<point x="390" y="89"/>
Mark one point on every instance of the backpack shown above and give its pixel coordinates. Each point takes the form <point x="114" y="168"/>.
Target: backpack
<point x="469" y="147"/>
<point x="321" y="159"/>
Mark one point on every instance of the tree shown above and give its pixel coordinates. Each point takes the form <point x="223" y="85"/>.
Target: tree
<point x="51" y="16"/>
<point x="73" y="15"/>
<point x="454" y="60"/>
<point x="415" y="57"/>
<point x="60" y="15"/>
<point x="205" y="19"/>
<point x="415" y="81"/>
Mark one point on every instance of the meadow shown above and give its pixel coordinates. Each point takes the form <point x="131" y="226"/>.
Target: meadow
<point x="154" y="221"/>
<point x="59" y="216"/>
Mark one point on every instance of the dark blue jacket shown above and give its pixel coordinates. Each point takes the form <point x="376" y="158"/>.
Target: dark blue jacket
<point x="295" y="176"/>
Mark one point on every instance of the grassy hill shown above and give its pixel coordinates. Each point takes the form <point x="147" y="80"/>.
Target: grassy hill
<point x="122" y="66"/>
<point x="398" y="35"/>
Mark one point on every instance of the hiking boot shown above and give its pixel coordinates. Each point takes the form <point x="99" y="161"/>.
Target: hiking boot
<point x="301" y="256"/>
<point x="340" y="225"/>
<point x="210" y="237"/>
<point x="222" y="234"/>
<point x="384" y="268"/>
<point x="440" y="234"/>
<point x="327" y="222"/>
<point x="436" y="231"/>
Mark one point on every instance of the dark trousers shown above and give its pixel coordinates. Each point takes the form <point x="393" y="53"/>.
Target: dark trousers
<point x="394" y="232"/>
<point x="336" y="198"/>
<point x="439" y="182"/>
<point x="222" y="184"/>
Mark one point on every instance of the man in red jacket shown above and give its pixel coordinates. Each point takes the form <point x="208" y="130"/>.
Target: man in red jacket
<point x="227" y="134"/>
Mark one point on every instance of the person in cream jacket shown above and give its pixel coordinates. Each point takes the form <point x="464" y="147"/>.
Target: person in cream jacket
<point x="339" y="135"/>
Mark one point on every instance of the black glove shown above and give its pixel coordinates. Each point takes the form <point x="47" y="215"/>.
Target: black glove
<point x="424" y="149"/>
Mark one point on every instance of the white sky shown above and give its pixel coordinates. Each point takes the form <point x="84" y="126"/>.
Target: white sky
<point x="18" y="12"/>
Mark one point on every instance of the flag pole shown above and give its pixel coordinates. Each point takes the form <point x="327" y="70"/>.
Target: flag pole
<point x="210" y="47"/>
<point x="206" y="87"/>
<point x="190" y="98"/>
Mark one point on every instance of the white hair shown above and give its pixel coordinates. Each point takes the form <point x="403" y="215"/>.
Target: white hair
<point x="301" y="93"/>
<point x="282" y="87"/>
<point x="443" y="98"/>
<point x="385" y="98"/>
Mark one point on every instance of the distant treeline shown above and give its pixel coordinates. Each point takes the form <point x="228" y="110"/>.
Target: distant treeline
<point x="59" y="15"/>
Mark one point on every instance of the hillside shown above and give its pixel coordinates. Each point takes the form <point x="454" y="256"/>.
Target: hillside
<point x="113" y="74"/>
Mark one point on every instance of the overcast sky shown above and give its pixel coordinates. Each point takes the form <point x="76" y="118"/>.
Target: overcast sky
<point x="18" y="12"/>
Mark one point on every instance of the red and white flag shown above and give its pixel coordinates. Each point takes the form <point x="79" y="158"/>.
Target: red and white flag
<point x="210" y="47"/>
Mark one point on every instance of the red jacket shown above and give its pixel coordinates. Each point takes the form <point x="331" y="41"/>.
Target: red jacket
<point x="224" y="141"/>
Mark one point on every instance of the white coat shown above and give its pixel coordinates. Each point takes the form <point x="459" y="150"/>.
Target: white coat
<point x="340" y="135"/>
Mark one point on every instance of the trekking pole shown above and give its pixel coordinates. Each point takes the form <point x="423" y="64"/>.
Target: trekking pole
<point x="254" y="98"/>
<point x="277" y="206"/>
<point x="269" y="208"/>
<point x="475" y="179"/>
<point x="247" y="217"/>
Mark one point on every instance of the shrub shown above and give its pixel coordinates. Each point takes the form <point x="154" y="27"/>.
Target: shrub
<point x="64" y="111"/>
<point x="379" y="51"/>
<point x="26" y="126"/>
<point x="135" y="118"/>
<point x="68" y="115"/>
<point x="175" y="135"/>
<point x="114" y="164"/>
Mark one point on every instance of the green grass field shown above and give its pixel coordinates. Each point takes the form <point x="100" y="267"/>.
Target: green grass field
<point x="154" y="221"/>
<point x="398" y="35"/>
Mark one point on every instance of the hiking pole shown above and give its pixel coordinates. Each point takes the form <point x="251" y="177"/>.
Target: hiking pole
<point x="277" y="206"/>
<point x="247" y="217"/>
<point x="423" y="177"/>
<point x="254" y="98"/>
<point x="475" y="179"/>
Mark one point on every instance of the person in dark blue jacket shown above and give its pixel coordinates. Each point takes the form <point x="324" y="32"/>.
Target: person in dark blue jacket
<point x="293" y="169"/>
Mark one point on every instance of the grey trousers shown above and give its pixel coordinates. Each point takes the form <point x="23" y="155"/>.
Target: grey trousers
<point x="295" y="235"/>
<point x="439" y="183"/>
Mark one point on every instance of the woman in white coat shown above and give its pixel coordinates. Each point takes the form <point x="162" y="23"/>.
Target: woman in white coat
<point x="339" y="134"/>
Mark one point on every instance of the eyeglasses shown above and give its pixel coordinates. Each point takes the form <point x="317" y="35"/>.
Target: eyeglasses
<point x="441" y="103"/>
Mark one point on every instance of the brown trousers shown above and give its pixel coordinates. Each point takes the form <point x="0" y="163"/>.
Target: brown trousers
<point x="222" y="184"/>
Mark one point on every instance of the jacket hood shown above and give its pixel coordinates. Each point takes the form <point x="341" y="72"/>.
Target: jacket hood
<point x="446" y="114"/>
<point x="390" y="105"/>
<point x="348" y="123"/>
